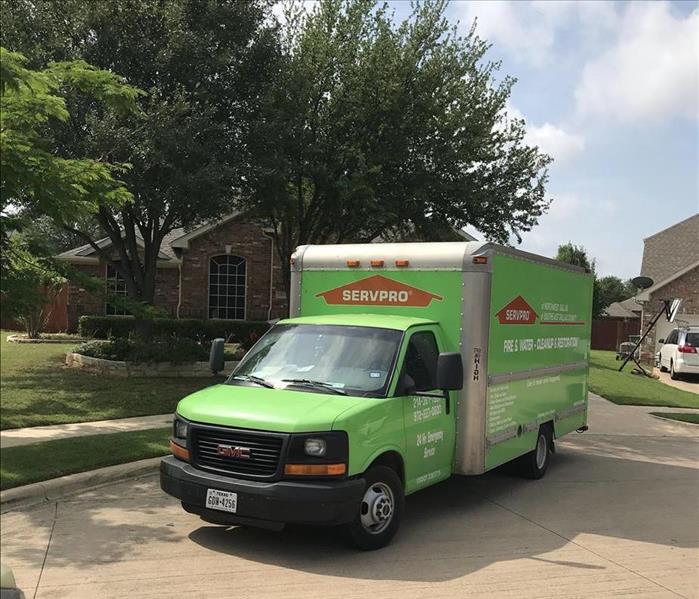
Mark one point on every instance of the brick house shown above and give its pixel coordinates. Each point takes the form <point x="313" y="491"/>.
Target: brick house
<point x="671" y="259"/>
<point x="228" y="269"/>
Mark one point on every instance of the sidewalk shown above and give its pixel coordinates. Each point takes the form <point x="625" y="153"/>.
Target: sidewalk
<point x="25" y="436"/>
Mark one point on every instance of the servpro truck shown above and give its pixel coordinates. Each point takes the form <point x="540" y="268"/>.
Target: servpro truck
<point x="401" y="364"/>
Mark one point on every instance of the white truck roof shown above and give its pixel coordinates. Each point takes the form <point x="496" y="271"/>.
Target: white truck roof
<point x="456" y="255"/>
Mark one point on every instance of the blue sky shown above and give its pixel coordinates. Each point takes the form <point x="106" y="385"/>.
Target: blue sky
<point x="610" y="90"/>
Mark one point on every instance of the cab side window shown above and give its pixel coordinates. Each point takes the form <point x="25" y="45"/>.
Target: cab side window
<point x="672" y="338"/>
<point x="421" y="360"/>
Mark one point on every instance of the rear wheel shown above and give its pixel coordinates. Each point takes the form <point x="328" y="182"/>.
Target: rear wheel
<point x="535" y="463"/>
<point x="673" y="375"/>
<point x="380" y="511"/>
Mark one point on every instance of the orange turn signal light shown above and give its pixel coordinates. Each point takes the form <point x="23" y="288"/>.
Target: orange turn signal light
<point x="377" y="262"/>
<point x="402" y="263"/>
<point x="353" y="263"/>
<point x="315" y="469"/>
<point x="480" y="260"/>
<point x="178" y="451"/>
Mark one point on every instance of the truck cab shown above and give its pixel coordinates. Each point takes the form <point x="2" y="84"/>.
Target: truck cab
<point x="319" y="408"/>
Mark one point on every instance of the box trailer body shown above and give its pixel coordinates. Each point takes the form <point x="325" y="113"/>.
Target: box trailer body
<point x="517" y="324"/>
<point x="520" y="321"/>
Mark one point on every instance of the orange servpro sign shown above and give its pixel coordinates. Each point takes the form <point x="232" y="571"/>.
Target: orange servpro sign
<point x="378" y="290"/>
<point x="518" y="311"/>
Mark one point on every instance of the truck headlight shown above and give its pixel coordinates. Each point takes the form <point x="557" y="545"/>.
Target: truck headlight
<point x="319" y="454"/>
<point x="315" y="447"/>
<point x="180" y="429"/>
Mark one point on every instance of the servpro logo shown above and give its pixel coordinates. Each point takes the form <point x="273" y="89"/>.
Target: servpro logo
<point x="518" y="311"/>
<point x="378" y="290"/>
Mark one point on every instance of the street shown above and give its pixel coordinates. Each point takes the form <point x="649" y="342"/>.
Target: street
<point x="615" y="516"/>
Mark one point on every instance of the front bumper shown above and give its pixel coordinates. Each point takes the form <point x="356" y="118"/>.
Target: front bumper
<point x="264" y="504"/>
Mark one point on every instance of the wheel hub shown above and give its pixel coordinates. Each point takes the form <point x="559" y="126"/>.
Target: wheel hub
<point x="377" y="508"/>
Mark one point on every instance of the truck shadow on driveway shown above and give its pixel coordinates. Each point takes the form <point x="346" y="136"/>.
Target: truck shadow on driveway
<point x="468" y="523"/>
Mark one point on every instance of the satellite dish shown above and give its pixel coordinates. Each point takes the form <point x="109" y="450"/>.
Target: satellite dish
<point x="642" y="282"/>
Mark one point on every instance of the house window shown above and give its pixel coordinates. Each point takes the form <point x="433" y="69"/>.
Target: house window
<point x="227" y="287"/>
<point x="115" y="286"/>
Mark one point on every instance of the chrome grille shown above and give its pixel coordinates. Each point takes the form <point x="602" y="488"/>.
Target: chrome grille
<point x="265" y="451"/>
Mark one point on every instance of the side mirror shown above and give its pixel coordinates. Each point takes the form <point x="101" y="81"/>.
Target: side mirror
<point x="216" y="361"/>
<point x="450" y="371"/>
<point x="661" y="340"/>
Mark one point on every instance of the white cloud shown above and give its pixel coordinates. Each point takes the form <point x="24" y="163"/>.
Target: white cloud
<point x="555" y="142"/>
<point x="528" y="30"/>
<point x="551" y="139"/>
<point x="650" y="73"/>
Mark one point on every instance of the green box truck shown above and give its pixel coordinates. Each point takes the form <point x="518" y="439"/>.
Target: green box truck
<point x="400" y="365"/>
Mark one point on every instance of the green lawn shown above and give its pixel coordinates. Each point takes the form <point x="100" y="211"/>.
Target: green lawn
<point x="681" y="416"/>
<point x="630" y="389"/>
<point x="50" y="459"/>
<point x="35" y="389"/>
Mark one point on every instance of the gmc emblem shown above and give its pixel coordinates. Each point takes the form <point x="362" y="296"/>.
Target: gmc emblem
<point x="233" y="451"/>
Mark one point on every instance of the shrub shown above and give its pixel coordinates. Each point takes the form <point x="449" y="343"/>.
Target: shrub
<point x="243" y="332"/>
<point x="177" y="350"/>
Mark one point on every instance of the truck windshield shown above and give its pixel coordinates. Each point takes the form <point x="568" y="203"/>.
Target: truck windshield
<point x="347" y="359"/>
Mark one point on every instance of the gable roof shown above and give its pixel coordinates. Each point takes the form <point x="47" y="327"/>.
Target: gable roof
<point x="671" y="249"/>
<point x="628" y="308"/>
<point x="644" y="296"/>
<point x="87" y="254"/>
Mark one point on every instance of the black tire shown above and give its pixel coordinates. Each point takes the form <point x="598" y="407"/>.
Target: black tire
<point x="534" y="464"/>
<point x="379" y="480"/>
<point x="673" y="375"/>
<point x="662" y="368"/>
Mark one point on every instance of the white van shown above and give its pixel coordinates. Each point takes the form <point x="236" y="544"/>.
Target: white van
<point x="680" y="352"/>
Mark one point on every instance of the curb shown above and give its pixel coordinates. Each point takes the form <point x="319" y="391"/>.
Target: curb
<point x="57" y="488"/>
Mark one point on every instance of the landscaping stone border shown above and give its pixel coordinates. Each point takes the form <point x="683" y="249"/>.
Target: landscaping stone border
<point x="116" y="368"/>
<point x="20" y="339"/>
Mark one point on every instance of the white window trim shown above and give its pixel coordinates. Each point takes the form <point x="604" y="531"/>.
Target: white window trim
<point x="208" y="287"/>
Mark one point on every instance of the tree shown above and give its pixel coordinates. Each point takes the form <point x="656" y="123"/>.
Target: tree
<point x="372" y="126"/>
<point x="37" y="179"/>
<point x="30" y="290"/>
<point x="612" y="289"/>
<point x="575" y="254"/>
<point x="203" y="65"/>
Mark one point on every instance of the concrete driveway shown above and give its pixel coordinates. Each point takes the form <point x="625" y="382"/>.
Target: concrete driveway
<point x="687" y="383"/>
<point x="616" y="516"/>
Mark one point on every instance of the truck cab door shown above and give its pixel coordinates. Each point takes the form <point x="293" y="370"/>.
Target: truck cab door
<point x="428" y="412"/>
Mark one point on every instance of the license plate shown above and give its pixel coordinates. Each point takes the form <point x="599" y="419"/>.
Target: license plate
<point x="223" y="501"/>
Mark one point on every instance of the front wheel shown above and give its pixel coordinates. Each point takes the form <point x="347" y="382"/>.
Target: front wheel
<point x="380" y="511"/>
<point x="535" y="463"/>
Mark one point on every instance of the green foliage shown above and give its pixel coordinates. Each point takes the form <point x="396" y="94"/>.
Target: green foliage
<point x="39" y="179"/>
<point x="203" y="64"/>
<point x="35" y="176"/>
<point x="29" y="285"/>
<point x="374" y="126"/>
<point x="575" y="254"/>
<point x="176" y="350"/>
<point x="203" y="331"/>
<point x="612" y="289"/>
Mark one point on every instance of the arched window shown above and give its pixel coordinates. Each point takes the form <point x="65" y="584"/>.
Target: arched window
<point x="227" y="287"/>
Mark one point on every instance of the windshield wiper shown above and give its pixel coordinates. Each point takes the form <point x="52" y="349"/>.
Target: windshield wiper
<point x="311" y="383"/>
<point x="254" y="379"/>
